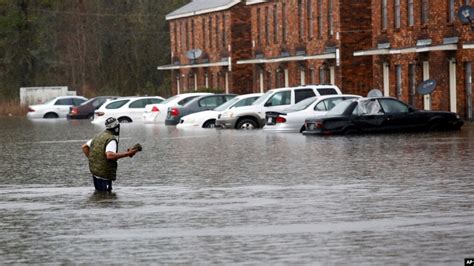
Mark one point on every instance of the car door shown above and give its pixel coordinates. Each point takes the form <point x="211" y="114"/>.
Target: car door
<point x="368" y="116"/>
<point x="61" y="106"/>
<point x="136" y="108"/>
<point x="397" y="115"/>
<point x="277" y="102"/>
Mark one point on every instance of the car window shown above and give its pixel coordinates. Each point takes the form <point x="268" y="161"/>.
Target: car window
<point x="77" y="101"/>
<point x="340" y="108"/>
<point x="116" y="104"/>
<point x="393" y="106"/>
<point x="302" y="105"/>
<point x="279" y="98"/>
<point x="246" y="102"/>
<point x="227" y="105"/>
<point x="262" y="98"/>
<point x="138" y="103"/>
<point x="153" y="101"/>
<point x="326" y="91"/>
<point x="368" y="107"/>
<point x="98" y="102"/>
<point x="170" y="99"/>
<point x="66" y="101"/>
<point x="211" y="102"/>
<point x="186" y="100"/>
<point x="301" y="94"/>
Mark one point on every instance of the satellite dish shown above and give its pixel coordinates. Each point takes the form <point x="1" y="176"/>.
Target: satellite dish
<point x="426" y="87"/>
<point x="194" y="54"/>
<point x="375" y="93"/>
<point x="466" y="14"/>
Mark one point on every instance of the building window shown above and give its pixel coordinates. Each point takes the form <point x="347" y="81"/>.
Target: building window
<point x="192" y="34"/>
<point x="424" y="11"/>
<point x="284" y="22"/>
<point x="384" y="14"/>
<point x="411" y="16"/>
<point x="224" y="31"/>
<point x="398" y="75"/>
<point x="175" y="39"/>
<point x="275" y="24"/>
<point x="451" y="12"/>
<point x="322" y="75"/>
<point x="412" y="84"/>
<point x="183" y="36"/>
<point x="300" y="20"/>
<point x="320" y="18"/>
<point x="210" y="32"/>
<point x="468" y="77"/>
<point x="186" y="33"/>
<point x="267" y="25"/>
<point x="217" y="31"/>
<point x="330" y="22"/>
<point x="259" y="27"/>
<point x="309" y="3"/>
<point x="203" y="32"/>
<point x="397" y="14"/>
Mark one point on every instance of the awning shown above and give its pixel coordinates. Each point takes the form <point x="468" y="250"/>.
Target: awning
<point x="468" y="46"/>
<point x="172" y="67"/>
<point x="287" y="59"/>
<point x="406" y="50"/>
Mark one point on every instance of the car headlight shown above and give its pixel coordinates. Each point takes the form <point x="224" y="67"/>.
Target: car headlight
<point x="226" y="115"/>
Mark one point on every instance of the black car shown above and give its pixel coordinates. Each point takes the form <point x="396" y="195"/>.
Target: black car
<point x="86" y="110"/>
<point x="379" y="114"/>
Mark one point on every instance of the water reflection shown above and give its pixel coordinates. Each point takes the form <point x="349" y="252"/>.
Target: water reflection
<point x="236" y="197"/>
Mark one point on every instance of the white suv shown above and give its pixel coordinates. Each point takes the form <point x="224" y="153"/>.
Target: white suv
<point x="253" y="116"/>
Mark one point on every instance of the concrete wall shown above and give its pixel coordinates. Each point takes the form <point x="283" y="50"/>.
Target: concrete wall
<point x="36" y="95"/>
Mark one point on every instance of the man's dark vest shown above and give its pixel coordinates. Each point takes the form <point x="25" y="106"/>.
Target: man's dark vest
<point x="98" y="163"/>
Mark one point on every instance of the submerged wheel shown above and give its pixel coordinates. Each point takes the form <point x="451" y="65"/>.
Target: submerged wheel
<point x="210" y="124"/>
<point x="51" y="115"/>
<point x="351" y="131"/>
<point x="247" y="124"/>
<point x="125" y="120"/>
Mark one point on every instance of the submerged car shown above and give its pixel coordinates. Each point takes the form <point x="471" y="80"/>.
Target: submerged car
<point x="379" y="114"/>
<point x="86" y="109"/>
<point x="55" y="108"/>
<point x="124" y="109"/>
<point x="292" y="119"/>
<point x="207" y="119"/>
<point x="156" y="113"/>
<point x="199" y="104"/>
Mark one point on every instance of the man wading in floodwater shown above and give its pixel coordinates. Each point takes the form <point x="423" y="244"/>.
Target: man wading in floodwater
<point x="102" y="152"/>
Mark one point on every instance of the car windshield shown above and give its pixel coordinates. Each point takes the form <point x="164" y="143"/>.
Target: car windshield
<point x="301" y="105"/>
<point x="262" y="98"/>
<point x="49" y="101"/>
<point x="170" y="99"/>
<point x="227" y="104"/>
<point x="340" y="107"/>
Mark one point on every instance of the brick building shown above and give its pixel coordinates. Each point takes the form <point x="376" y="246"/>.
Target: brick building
<point x="416" y="40"/>
<point x="298" y="42"/>
<point x="207" y="38"/>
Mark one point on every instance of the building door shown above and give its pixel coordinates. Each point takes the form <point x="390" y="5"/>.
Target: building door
<point x="195" y="81"/>
<point x="386" y="80"/>
<point x="452" y="85"/>
<point x="426" y="76"/>
<point x="178" y="85"/>
<point x="287" y="81"/>
<point x="468" y="90"/>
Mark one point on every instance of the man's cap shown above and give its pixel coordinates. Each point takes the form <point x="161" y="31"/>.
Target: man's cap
<point x="111" y="123"/>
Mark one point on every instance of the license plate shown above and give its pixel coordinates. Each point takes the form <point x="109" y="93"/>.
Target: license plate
<point x="270" y="121"/>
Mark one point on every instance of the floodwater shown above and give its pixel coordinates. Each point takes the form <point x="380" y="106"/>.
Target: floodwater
<point x="236" y="197"/>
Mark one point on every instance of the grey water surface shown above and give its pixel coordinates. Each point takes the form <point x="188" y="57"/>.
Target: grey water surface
<point x="236" y="197"/>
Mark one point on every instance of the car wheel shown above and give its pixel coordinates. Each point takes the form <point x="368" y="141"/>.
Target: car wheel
<point x="51" y="115"/>
<point x="210" y="124"/>
<point x="247" y="124"/>
<point x="436" y="126"/>
<point x="124" y="120"/>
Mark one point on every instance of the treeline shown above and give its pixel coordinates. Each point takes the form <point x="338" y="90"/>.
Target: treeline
<point x="96" y="47"/>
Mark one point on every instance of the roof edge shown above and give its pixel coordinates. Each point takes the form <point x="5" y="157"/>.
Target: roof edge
<point x="203" y="11"/>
